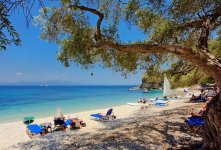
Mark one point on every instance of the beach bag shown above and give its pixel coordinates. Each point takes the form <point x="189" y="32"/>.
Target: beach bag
<point x="83" y="124"/>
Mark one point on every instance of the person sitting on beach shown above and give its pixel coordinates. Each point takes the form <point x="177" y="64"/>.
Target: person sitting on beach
<point x="165" y="97"/>
<point x="144" y="101"/>
<point x="140" y="100"/>
<point x="185" y="91"/>
<point x="193" y="98"/>
<point x="201" y="97"/>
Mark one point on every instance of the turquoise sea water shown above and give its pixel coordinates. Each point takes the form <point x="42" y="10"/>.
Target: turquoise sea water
<point x="16" y="102"/>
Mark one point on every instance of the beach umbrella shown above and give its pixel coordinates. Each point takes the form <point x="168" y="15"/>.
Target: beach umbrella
<point x="59" y="113"/>
<point x="28" y="120"/>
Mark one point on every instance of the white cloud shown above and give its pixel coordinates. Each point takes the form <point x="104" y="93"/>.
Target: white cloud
<point x="19" y="74"/>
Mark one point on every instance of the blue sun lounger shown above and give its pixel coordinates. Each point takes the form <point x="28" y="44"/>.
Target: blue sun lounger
<point x="160" y="104"/>
<point x="34" y="129"/>
<point x="195" y="123"/>
<point x="102" y="117"/>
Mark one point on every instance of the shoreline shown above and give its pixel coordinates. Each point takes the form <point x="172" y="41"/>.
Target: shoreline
<point x="39" y="102"/>
<point x="14" y="132"/>
<point x="43" y="118"/>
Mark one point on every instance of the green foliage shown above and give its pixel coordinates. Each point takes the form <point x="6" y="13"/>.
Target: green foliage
<point x="153" y="75"/>
<point x="189" y="79"/>
<point x="75" y="31"/>
<point x="8" y="35"/>
<point x="182" y="74"/>
<point x="215" y="46"/>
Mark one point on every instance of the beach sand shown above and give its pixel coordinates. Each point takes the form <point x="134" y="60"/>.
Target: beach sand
<point x="13" y="135"/>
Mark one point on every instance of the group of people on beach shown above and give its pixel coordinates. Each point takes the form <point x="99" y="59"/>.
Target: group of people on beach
<point x="208" y="98"/>
<point x="205" y="96"/>
<point x="62" y="123"/>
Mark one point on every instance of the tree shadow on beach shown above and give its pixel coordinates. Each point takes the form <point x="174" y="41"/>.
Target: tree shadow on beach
<point x="165" y="130"/>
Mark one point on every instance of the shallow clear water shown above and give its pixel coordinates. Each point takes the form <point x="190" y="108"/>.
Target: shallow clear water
<point x="16" y="102"/>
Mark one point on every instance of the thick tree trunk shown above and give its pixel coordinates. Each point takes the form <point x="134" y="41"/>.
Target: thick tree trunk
<point x="212" y="128"/>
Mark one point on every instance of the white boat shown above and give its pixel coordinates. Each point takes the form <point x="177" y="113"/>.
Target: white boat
<point x="145" y="90"/>
<point x="167" y="92"/>
<point x="133" y="89"/>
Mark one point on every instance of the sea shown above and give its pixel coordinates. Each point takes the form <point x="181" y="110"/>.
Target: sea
<point x="17" y="102"/>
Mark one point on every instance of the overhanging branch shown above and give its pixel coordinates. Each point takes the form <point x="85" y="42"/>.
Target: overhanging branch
<point x="96" y="12"/>
<point x="201" y="59"/>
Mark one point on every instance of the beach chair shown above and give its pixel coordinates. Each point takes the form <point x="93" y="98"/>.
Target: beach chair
<point x="161" y="103"/>
<point x="102" y="117"/>
<point x="34" y="129"/>
<point x="195" y="123"/>
<point x="59" y="124"/>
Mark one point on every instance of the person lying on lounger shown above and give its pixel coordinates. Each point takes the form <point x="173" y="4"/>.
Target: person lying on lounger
<point x="202" y="111"/>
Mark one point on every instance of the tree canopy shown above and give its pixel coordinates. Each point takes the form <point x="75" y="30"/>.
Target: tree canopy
<point x="181" y="23"/>
<point x="8" y="34"/>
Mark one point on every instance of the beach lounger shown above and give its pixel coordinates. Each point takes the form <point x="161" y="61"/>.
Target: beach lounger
<point x="34" y="129"/>
<point x="162" y="99"/>
<point x="161" y="103"/>
<point x="59" y="124"/>
<point x="102" y="117"/>
<point x="195" y="123"/>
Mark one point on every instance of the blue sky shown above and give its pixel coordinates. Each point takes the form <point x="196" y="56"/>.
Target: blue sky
<point x="34" y="62"/>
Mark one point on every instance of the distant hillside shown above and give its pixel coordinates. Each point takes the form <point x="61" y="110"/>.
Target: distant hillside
<point x="155" y="80"/>
<point x="152" y="80"/>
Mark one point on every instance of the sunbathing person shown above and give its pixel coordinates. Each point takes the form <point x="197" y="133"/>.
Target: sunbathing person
<point x="204" y="109"/>
<point x="201" y="113"/>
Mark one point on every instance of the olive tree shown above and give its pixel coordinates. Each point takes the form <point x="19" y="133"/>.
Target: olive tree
<point x="177" y="28"/>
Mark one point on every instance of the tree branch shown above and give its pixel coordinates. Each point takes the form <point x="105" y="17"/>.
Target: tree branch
<point x="199" y="23"/>
<point x="183" y="71"/>
<point x="206" y="23"/>
<point x="201" y="59"/>
<point x="98" y="35"/>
